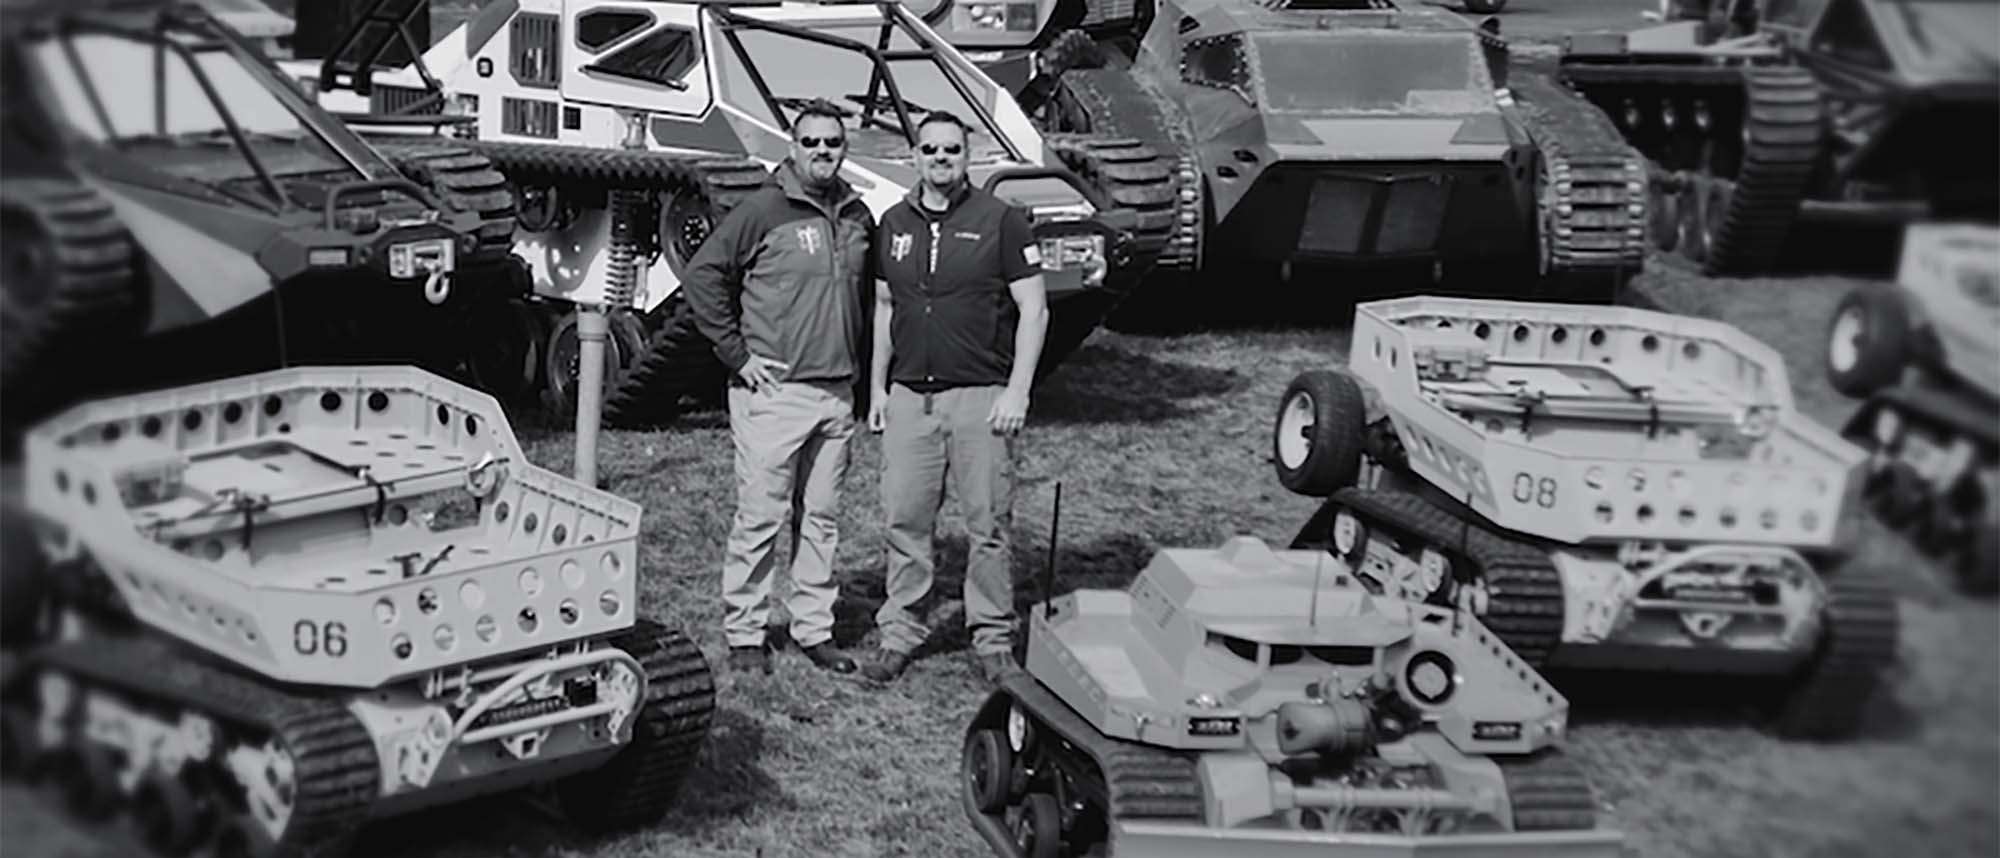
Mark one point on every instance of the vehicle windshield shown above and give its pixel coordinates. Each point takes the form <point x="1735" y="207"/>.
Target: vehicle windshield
<point x="135" y="96"/>
<point x="800" y="70"/>
<point x="1374" y="72"/>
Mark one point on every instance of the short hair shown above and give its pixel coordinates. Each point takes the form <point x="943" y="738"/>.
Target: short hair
<point x="945" y="117"/>
<point x="819" y="107"/>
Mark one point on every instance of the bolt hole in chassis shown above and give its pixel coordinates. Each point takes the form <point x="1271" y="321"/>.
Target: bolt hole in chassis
<point x="1238" y="699"/>
<point x="168" y="191"/>
<point x="1921" y="355"/>
<point x="1606" y="488"/>
<point x="272" y="608"/>
<point x="627" y="132"/>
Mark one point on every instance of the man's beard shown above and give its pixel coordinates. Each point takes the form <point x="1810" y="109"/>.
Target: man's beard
<point x="832" y="169"/>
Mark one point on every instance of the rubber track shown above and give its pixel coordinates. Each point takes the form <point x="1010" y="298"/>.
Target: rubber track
<point x="1133" y="176"/>
<point x="637" y="786"/>
<point x="1119" y="108"/>
<point x="1858" y="640"/>
<point x="1139" y="781"/>
<point x="93" y="256"/>
<point x="467" y="180"/>
<point x="1781" y="135"/>
<point x="335" y="768"/>
<point x="1570" y="131"/>
<point x="678" y="360"/>
<point x="1548" y="792"/>
<point x="1524" y="590"/>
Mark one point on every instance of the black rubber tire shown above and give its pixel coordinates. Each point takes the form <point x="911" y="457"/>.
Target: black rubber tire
<point x="1882" y="348"/>
<point x="1043" y="818"/>
<point x="1978" y="565"/>
<point x="1332" y="458"/>
<point x="561" y="374"/>
<point x="988" y="769"/>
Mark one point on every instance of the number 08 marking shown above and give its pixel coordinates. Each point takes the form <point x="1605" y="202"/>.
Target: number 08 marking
<point x="1538" y="491"/>
<point x="310" y="638"/>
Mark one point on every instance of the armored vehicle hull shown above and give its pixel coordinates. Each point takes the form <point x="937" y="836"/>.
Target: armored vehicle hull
<point x="1244" y="699"/>
<point x="1607" y="488"/>
<point x="276" y="607"/>
<point x="1924" y="356"/>
<point x="1755" y="115"/>
<point x="621" y="176"/>
<point x="161" y="175"/>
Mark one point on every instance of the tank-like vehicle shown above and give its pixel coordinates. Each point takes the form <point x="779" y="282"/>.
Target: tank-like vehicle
<point x="1760" y="115"/>
<point x="1924" y="354"/>
<point x="1240" y="700"/>
<point x="280" y="605"/>
<point x="628" y="131"/>
<point x="1360" y="131"/>
<point x="160" y="175"/>
<point x="1607" y="488"/>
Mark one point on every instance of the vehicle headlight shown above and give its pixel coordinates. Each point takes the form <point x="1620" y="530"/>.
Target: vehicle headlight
<point x="1001" y="16"/>
<point x="1205" y="700"/>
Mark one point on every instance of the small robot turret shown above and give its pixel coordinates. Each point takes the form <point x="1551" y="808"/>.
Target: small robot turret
<point x="1243" y="698"/>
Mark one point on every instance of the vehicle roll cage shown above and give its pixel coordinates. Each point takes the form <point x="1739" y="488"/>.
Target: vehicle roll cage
<point x="211" y="34"/>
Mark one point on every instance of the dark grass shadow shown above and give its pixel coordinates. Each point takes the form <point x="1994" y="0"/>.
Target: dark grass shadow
<point x="1675" y="700"/>
<point x="726" y="785"/>
<point x="1109" y="562"/>
<point x="1102" y="384"/>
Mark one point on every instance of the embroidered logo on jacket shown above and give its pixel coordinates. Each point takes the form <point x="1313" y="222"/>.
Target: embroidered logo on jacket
<point x="1032" y="253"/>
<point x="968" y="236"/>
<point x="899" y="246"/>
<point x="809" y="238"/>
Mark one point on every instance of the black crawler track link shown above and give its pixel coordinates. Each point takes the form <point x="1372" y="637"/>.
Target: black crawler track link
<point x="1781" y="144"/>
<point x="1120" y="779"/>
<point x="1593" y="240"/>
<point x="676" y="361"/>
<point x="1548" y="792"/>
<point x="1524" y="590"/>
<point x="638" y="784"/>
<point x="1120" y="111"/>
<point x="1858" y="637"/>
<point x="466" y="179"/>
<point x="1133" y="176"/>
<point x="69" y="277"/>
<point x="335" y="770"/>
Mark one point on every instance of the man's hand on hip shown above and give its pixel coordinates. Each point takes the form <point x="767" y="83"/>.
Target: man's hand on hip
<point x="878" y="411"/>
<point x="762" y="373"/>
<point x="1009" y="411"/>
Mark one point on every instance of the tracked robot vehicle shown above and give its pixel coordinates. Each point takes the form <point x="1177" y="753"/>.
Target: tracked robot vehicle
<point x="627" y="130"/>
<point x="1239" y="700"/>
<point x="160" y="175"/>
<point x="1606" y="488"/>
<point x="278" y="606"/>
<point x="1924" y="354"/>
<point x="1759" y="115"/>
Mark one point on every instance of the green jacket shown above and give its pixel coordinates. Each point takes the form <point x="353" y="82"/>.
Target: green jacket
<point x="785" y="276"/>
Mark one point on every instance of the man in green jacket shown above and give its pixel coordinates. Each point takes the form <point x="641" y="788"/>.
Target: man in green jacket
<point x="778" y="289"/>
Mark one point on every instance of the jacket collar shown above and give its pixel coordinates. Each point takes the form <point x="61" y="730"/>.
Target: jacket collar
<point x="958" y="196"/>
<point x="787" y="178"/>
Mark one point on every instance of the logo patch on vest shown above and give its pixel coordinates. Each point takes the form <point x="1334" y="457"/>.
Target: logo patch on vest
<point x="968" y="236"/>
<point x="1032" y="253"/>
<point x="809" y="238"/>
<point x="899" y="246"/>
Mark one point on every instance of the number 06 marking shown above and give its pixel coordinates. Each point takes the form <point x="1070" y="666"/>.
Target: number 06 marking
<point x="1538" y="491"/>
<point x="310" y="638"/>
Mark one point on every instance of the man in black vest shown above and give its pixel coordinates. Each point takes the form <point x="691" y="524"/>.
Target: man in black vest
<point x="962" y="303"/>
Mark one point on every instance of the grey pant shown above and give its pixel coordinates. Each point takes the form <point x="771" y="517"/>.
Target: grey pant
<point x="791" y="454"/>
<point x="927" y="446"/>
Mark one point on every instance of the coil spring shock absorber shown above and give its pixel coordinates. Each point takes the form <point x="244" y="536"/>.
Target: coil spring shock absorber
<point x="629" y="208"/>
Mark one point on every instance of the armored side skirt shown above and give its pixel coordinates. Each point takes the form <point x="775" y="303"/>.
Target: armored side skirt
<point x="1380" y="212"/>
<point x="1174" y="840"/>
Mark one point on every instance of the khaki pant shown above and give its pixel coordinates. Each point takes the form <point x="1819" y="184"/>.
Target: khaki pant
<point x="929" y="443"/>
<point x="791" y="454"/>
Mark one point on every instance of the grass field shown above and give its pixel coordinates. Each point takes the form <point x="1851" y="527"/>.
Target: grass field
<point x="1163" y="441"/>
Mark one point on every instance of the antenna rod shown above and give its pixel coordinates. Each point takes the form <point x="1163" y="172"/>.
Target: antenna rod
<point x="1055" y="528"/>
<point x="1312" y="614"/>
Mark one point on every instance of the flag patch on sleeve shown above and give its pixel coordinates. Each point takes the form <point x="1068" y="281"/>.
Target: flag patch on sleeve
<point x="1032" y="253"/>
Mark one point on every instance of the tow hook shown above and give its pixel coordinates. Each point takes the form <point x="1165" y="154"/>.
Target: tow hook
<point x="438" y="287"/>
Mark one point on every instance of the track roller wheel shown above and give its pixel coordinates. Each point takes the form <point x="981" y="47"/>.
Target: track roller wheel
<point x="1691" y="202"/>
<point x="168" y="817"/>
<point x="1317" y="436"/>
<point x="1038" y="827"/>
<point x="988" y="769"/>
<point x="1858" y="638"/>
<point x="562" y="367"/>
<point x="1663" y="221"/>
<point x="1867" y="341"/>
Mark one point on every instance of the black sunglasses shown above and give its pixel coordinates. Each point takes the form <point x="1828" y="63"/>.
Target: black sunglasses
<point x="822" y="142"/>
<point x="932" y="148"/>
